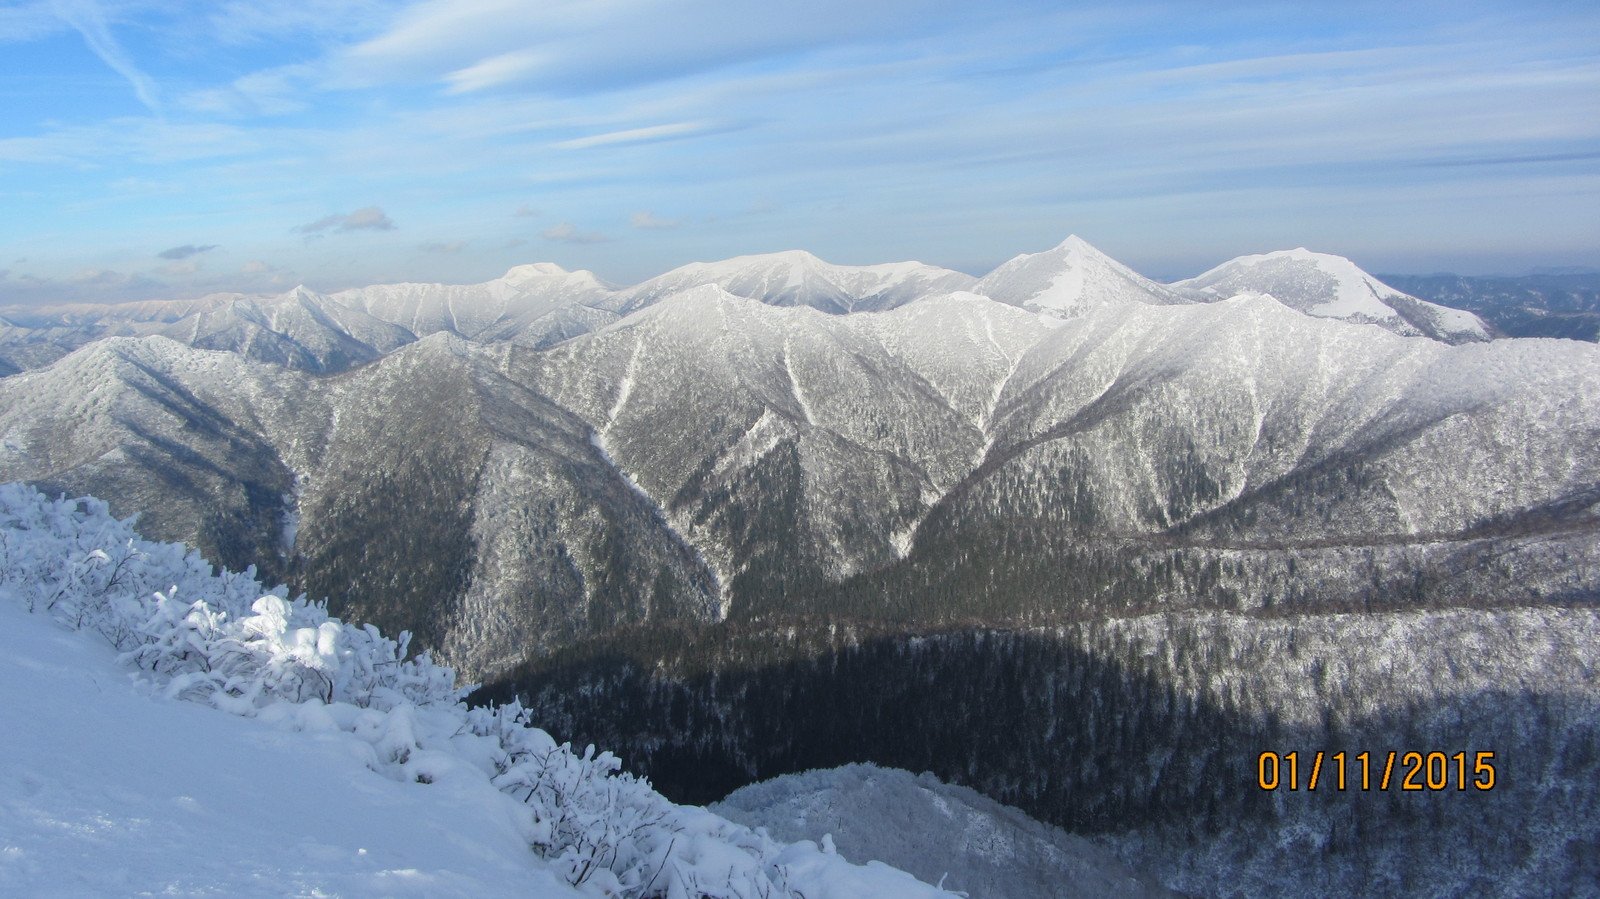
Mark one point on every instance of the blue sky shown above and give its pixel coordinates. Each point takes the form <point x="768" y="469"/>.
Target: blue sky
<point x="155" y="148"/>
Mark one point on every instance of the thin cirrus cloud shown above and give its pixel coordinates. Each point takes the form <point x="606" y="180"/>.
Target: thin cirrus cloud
<point x="575" y="46"/>
<point x="647" y="134"/>
<point x="367" y="218"/>
<point x="89" y="19"/>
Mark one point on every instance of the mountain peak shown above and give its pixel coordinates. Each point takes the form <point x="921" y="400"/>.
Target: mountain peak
<point x="1077" y="244"/>
<point x="534" y="270"/>
<point x="1329" y="286"/>
<point x="1068" y="279"/>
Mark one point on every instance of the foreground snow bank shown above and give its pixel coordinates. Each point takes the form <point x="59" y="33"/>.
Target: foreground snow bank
<point x="106" y="792"/>
<point x="221" y="640"/>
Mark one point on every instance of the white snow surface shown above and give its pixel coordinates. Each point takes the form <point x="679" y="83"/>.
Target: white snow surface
<point x="109" y="790"/>
<point x="345" y="768"/>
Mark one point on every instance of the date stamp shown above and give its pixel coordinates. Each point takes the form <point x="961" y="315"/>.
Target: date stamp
<point x="1409" y="772"/>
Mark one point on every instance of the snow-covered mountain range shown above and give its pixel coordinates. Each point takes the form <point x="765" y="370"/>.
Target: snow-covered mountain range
<point x="542" y="304"/>
<point x="742" y="479"/>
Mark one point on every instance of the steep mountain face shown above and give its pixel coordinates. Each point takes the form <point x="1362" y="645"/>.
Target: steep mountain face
<point x="1530" y="306"/>
<point x="425" y="491"/>
<point x="457" y="503"/>
<point x="1072" y="279"/>
<point x="787" y="445"/>
<point x="1333" y="287"/>
<point x="797" y="278"/>
<point x="178" y="436"/>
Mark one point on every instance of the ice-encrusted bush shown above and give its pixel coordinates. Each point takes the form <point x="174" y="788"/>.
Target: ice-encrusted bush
<point x="223" y="640"/>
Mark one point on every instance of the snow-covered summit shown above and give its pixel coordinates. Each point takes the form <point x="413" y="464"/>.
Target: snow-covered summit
<point x="1069" y="279"/>
<point x="798" y="278"/>
<point x="1329" y="286"/>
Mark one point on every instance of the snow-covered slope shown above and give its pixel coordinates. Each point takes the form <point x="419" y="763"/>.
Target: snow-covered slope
<point x="726" y="409"/>
<point x="797" y="278"/>
<point x="361" y="772"/>
<point x="942" y="833"/>
<point x="1070" y="279"/>
<point x="110" y="790"/>
<point x="1334" y="287"/>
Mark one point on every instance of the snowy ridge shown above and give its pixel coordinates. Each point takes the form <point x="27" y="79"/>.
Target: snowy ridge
<point x="221" y="640"/>
<point x="1326" y="286"/>
<point x="493" y="310"/>
<point x="797" y="278"/>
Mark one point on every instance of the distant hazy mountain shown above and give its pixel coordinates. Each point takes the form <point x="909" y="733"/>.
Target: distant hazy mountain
<point x="1333" y="287"/>
<point x="535" y="305"/>
<point x="1551" y="305"/>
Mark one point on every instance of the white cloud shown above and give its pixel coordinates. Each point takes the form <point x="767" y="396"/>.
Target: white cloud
<point x="646" y="220"/>
<point x="565" y="232"/>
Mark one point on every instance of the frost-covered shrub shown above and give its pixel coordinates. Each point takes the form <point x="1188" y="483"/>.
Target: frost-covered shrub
<point x="223" y="640"/>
